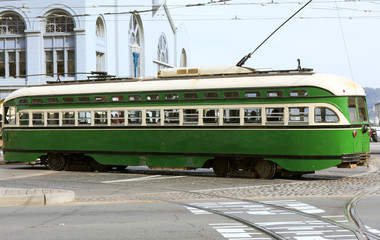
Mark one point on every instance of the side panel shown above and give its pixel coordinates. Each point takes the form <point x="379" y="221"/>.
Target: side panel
<point x="292" y="149"/>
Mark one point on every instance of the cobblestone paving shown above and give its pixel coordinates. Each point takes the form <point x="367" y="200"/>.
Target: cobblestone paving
<point x="323" y="186"/>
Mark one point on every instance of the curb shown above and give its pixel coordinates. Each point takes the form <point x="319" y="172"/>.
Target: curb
<point x="34" y="197"/>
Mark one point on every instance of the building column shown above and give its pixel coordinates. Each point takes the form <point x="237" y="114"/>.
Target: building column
<point x="34" y="58"/>
<point x="80" y="53"/>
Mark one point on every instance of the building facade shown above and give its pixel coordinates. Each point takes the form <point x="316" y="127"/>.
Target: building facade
<point x="49" y="40"/>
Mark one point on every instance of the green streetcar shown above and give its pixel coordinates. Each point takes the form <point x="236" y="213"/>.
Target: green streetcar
<point x="236" y="120"/>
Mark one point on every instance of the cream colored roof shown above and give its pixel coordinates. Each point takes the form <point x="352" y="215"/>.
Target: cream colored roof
<point x="337" y="85"/>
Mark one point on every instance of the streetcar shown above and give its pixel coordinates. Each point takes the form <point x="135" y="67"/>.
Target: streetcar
<point x="237" y="120"/>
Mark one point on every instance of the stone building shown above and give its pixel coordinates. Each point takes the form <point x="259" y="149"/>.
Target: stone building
<point x="46" y="40"/>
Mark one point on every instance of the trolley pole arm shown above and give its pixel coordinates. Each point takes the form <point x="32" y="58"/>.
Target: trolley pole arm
<point x="246" y="57"/>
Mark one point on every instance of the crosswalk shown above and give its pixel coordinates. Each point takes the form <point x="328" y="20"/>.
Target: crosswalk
<point x="280" y="221"/>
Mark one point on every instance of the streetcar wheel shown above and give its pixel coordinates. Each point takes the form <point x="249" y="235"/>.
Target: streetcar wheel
<point x="265" y="169"/>
<point x="221" y="167"/>
<point x="99" y="167"/>
<point x="55" y="162"/>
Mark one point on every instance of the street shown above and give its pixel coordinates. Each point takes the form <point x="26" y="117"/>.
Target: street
<point x="155" y="204"/>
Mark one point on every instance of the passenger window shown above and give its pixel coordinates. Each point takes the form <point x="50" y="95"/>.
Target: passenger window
<point x="68" y="100"/>
<point x="10" y="115"/>
<point x="100" y="99"/>
<point x="231" y="116"/>
<point x="37" y="101"/>
<point x="23" y="101"/>
<point x="134" y="117"/>
<point x="117" y="118"/>
<point x="84" y="118"/>
<point x="117" y="98"/>
<point x="68" y="118"/>
<point x="52" y="100"/>
<point x="298" y="93"/>
<point x="171" y="116"/>
<point x="352" y="110"/>
<point x="275" y="115"/>
<point x="83" y="99"/>
<point x="53" y="118"/>
<point x="171" y="96"/>
<point x="100" y="118"/>
<point x="252" y="115"/>
<point x="325" y="115"/>
<point x="277" y="93"/>
<point x="210" y="116"/>
<point x="231" y="95"/>
<point x="23" y="119"/>
<point x="38" y="119"/>
<point x="254" y="94"/>
<point x="299" y="115"/>
<point x="362" y="110"/>
<point x="211" y="95"/>
<point x="133" y="98"/>
<point x="190" y="116"/>
<point x="191" y="96"/>
<point x="153" y="97"/>
<point x="153" y="116"/>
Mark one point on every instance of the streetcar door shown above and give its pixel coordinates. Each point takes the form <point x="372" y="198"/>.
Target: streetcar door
<point x="359" y="118"/>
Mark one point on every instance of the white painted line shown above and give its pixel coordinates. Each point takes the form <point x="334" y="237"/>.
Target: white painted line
<point x="334" y="216"/>
<point x="154" y="177"/>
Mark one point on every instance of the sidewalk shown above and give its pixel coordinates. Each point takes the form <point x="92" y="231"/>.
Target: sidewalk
<point x="34" y="197"/>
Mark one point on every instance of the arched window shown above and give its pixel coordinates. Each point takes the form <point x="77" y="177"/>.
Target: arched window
<point x="12" y="45"/>
<point x="59" y="44"/>
<point x="134" y="46"/>
<point x="162" y="52"/>
<point x="100" y="45"/>
<point x="183" y="62"/>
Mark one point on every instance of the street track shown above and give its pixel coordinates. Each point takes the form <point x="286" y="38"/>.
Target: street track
<point x="360" y="232"/>
<point x="351" y="214"/>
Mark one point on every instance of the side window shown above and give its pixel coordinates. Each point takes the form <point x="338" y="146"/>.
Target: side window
<point x="252" y="115"/>
<point x="153" y="97"/>
<point x="23" y="119"/>
<point x="211" y="95"/>
<point x="190" y="116"/>
<point x="10" y="115"/>
<point x="134" y="117"/>
<point x="298" y="93"/>
<point x="299" y="115"/>
<point x="253" y="94"/>
<point x="362" y="110"/>
<point x="38" y="119"/>
<point x="275" y="93"/>
<point x="210" y="116"/>
<point x="100" y="99"/>
<point x="117" y="98"/>
<point x="171" y="96"/>
<point x="117" y="118"/>
<point x="52" y="100"/>
<point x="83" y="99"/>
<point x="190" y="96"/>
<point x="325" y="115"/>
<point x="231" y="94"/>
<point x="100" y="118"/>
<point x="84" y="118"/>
<point x="52" y="118"/>
<point x="68" y="100"/>
<point x="133" y="98"/>
<point x="171" y="116"/>
<point x="275" y="115"/>
<point x="231" y="116"/>
<point x="68" y="118"/>
<point x="153" y="116"/>
<point x="352" y="110"/>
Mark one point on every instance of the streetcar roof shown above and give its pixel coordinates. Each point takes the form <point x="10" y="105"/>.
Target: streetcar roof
<point x="338" y="86"/>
